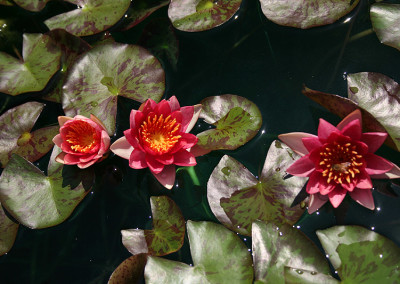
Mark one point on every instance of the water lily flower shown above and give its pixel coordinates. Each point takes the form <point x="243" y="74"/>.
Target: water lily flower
<point x="338" y="161"/>
<point x="158" y="138"/>
<point x="83" y="140"/>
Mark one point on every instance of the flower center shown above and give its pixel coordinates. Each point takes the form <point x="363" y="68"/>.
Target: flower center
<point x="340" y="162"/>
<point x="159" y="133"/>
<point x="82" y="136"/>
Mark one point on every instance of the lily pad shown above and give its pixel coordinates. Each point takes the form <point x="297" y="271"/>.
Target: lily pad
<point x="167" y="234"/>
<point x="275" y="247"/>
<point x="8" y="232"/>
<point x="295" y="276"/>
<point x="15" y="126"/>
<point x="6" y="3"/>
<point x="306" y="13"/>
<point x="107" y="71"/>
<point x="41" y="60"/>
<point x="237" y="198"/>
<point x="32" y="5"/>
<point x="129" y="271"/>
<point x="218" y="254"/>
<point x="237" y="121"/>
<point x="201" y="15"/>
<point x="38" y="201"/>
<point x="385" y="20"/>
<point x="91" y="17"/>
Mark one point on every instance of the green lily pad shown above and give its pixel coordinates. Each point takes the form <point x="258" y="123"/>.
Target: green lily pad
<point x="275" y="247"/>
<point x="6" y="3"/>
<point x="129" y="271"/>
<point x="196" y="16"/>
<point x="140" y="10"/>
<point x="41" y="60"/>
<point x="32" y="5"/>
<point x="385" y="20"/>
<point x="237" y="121"/>
<point x="218" y="254"/>
<point x="8" y="232"/>
<point x="295" y="276"/>
<point x="38" y="201"/>
<point x="107" y="71"/>
<point x="91" y="17"/>
<point x="306" y="13"/>
<point x="379" y="95"/>
<point x="237" y="198"/>
<point x="167" y="234"/>
<point x="15" y="126"/>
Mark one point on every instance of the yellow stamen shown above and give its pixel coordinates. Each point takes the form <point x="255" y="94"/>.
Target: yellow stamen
<point x="81" y="136"/>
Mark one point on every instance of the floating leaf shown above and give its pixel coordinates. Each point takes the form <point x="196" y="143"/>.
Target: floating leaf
<point x="8" y="232"/>
<point x="91" y="17"/>
<point x="195" y="15"/>
<point x="41" y="60"/>
<point x="236" y="118"/>
<point x="306" y="13"/>
<point x="6" y="3"/>
<point x="15" y="126"/>
<point x="31" y="5"/>
<point x="237" y="198"/>
<point x="37" y="201"/>
<point x="275" y="247"/>
<point x="294" y="276"/>
<point x="385" y="20"/>
<point x="140" y="10"/>
<point x="218" y="254"/>
<point x="379" y="95"/>
<point x="107" y="71"/>
<point x="167" y="234"/>
<point x="129" y="271"/>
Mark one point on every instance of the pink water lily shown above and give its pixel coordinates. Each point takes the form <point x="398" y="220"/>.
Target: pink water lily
<point x="158" y="138"/>
<point x="338" y="161"/>
<point x="83" y="140"/>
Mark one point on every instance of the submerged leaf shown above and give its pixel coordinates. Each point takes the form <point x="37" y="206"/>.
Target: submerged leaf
<point x="32" y="5"/>
<point x="140" y="10"/>
<point x="8" y="232"/>
<point x="385" y="20"/>
<point x="129" y="271"/>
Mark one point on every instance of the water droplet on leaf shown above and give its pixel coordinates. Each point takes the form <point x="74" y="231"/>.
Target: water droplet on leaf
<point x="226" y="170"/>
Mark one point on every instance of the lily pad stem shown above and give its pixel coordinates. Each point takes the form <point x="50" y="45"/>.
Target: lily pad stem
<point x="192" y="173"/>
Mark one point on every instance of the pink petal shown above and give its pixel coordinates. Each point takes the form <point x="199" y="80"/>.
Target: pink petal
<point x="325" y="188"/>
<point x="353" y="130"/>
<point x="167" y="176"/>
<point x="122" y="148"/>
<point x="303" y="167"/>
<point x="363" y="197"/>
<point x="198" y="151"/>
<point x="85" y="165"/>
<point x="325" y="129"/>
<point x="105" y="142"/>
<point x="311" y="143"/>
<point x="163" y="108"/>
<point x="166" y="159"/>
<point x="194" y="118"/>
<point x="98" y="121"/>
<point x="355" y="115"/>
<point x="173" y="103"/>
<point x="349" y="187"/>
<point x="63" y="119"/>
<point x="374" y="140"/>
<point x="364" y="181"/>
<point x="70" y="159"/>
<point x="137" y="160"/>
<point x="376" y="164"/>
<point x="316" y="201"/>
<point x="313" y="183"/>
<point x="294" y="141"/>
<point x="184" y="158"/>
<point x="85" y="159"/>
<point x="177" y="115"/>
<point x="393" y="173"/>
<point x="336" y="196"/>
<point x="60" y="157"/>
<point x="132" y="118"/>
<point x="147" y="106"/>
<point x="155" y="166"/>
<point x="58" y="140"/>
<point x="186" y="141"/>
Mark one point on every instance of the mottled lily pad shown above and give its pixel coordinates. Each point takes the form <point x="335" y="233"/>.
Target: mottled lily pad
<point x="275" y="247"/>
<point x="38" y="201"/>
<point x="15" y="126"/>
<point x="32" y="5"/>
<point x="201" y="15"/>
<point x="237" y="121"/>
<point x="6" y="3"/>
<point x="385" y="20"/>
<point x="167" y="234"/>
<point x="107" y="71"/>
<point x="296" y="276"/>
<point x="91" y="17"/>
<point x="129" y="271"/>
<point x="41" y="60"/>
<point x="237" y="198"/>
<point x="306" y="13"/>
<point x="8" y="232"/>
<point x="218" y="254"/>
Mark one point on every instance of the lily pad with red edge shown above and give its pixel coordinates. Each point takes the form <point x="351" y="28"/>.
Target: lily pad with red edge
<point x="218" y="254"/>
<point x="32" y="5"/>
<point x="237" y="121"/>
<point x="16" y="125"/>
<point x="295" y="276"/>
<point x="237" y="198"/>
<point x="306" y="13"/>
<point x="40" y="61"/>
<point x="107" y="71"/>
<point x="196" y="16"/>
<point x="38" y="201"/>
<point x="130" y="270"/>
<point x="360" y="255"/>
<point x="385" y="20"/>
<point x="167" y="234"/>
<point x="8" y="232"/>
<point x="140" y="10"/>
<point x="91" y="16"/>
<point x="275" y="247"/>
<point x="380" y="96"/>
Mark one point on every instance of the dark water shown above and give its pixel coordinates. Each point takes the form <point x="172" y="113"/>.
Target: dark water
<point x="250" y="57"/>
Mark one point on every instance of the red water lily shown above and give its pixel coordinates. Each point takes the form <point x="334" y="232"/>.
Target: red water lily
<point x="158" y="138"/>
<point x="339" y="160"/>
